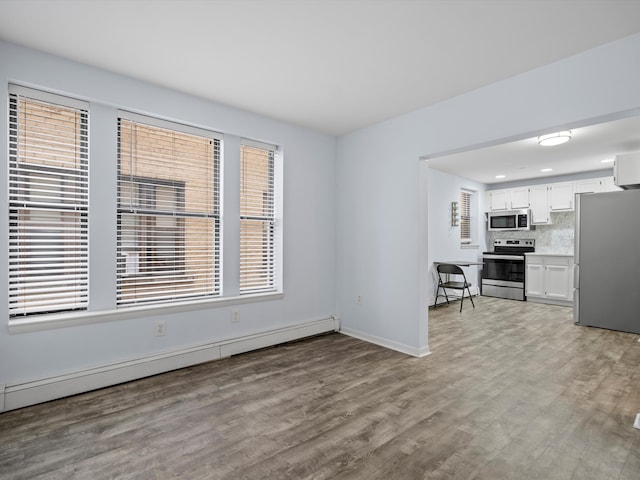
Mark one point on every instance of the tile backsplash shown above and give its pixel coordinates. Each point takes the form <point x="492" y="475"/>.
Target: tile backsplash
<point x="555" y="238"/>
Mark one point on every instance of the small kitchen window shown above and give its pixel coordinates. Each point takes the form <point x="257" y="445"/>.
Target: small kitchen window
<point x="465" y="216"/>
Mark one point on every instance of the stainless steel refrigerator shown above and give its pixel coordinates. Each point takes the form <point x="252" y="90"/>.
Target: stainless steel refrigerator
<point x="607" y="260"/>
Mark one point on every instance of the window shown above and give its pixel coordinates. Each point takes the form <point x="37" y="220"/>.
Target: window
<point x="257" y="218"/>
<point x="48" y="203"/>
<point x="465" y="216"/>
<point x="168" y="225"/>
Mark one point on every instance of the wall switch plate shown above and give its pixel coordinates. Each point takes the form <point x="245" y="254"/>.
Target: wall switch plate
<point x="235" y="316"/>
<point x="161" y="328"/>
<point x="359" y="300"/>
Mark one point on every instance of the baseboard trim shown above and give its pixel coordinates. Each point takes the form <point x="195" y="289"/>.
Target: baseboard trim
<point x="383" y="342"/>
<point x="550" y="301"/>
<point x="43" y="390"/>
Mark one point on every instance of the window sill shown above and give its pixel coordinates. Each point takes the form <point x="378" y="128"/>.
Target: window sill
<point x="38" y="323"/>
<point x="469" y="246"/>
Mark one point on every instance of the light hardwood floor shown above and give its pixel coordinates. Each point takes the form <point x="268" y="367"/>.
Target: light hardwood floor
<point x="512" y="390"/>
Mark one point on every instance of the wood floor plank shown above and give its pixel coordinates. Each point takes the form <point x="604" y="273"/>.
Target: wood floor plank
<point x="512" y="390"/>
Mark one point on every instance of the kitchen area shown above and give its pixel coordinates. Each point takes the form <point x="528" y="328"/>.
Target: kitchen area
<point x="532" y="232"/>
<point x="527" y="236"/>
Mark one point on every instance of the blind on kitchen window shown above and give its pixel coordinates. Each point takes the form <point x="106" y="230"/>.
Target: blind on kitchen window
<point x="257" y="218"/>
<point x="48" y="203"/>
<point x="168" y="226"/>
<point x="465" y="216"/>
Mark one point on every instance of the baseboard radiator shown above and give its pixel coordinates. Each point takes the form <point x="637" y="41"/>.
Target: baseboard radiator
<point x="43" y="390"/>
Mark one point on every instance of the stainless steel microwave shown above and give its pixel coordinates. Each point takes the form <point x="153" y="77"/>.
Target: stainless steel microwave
<point x="509" y="220"/>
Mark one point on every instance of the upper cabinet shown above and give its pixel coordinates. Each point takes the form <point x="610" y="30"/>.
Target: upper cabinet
<point x="540" y="205"/>
<point x="508" y="199"/>
<point x="498" y="200"/>
<point x="608" y="185"/>
<point x="543" y="199"/>
<point x="596" y="185"/>
<point x="592" y="185"/>
<point x="520" y="198"/>
<point x="561" y="197"/>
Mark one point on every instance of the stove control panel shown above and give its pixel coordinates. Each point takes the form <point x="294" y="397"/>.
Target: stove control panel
<point x="514" y="242"/>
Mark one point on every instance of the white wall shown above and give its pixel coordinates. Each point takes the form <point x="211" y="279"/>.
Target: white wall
<point x="443" y="239"/>
<point x="382" y="251"/>
<point x="309" y="225"/>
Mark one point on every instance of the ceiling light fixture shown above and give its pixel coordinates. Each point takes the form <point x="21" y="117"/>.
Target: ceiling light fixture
<point x="500" y="176"/>
<point x="553" y="139"/>
<point x="547" y="170"/>
<point x="607" y="160"/>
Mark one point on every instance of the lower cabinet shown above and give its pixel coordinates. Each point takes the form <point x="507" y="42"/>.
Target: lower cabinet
<point x="549" y="279"/>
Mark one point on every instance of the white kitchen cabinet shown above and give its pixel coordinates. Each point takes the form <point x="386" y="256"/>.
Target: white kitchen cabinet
<point x="557" y="276"/>
<point x="508" y="199"/>
<point x="561" y="196"/>
<point x="519" y="198"/>
<point x="543" y="199"/>
<point x="535" y="277"/>
<point x="549" y="279"/>
<point x="498" y="200"/>
<point x="592" y="185"/>
<point x="608" y="185"/>
<point x="539" y="205"/>
<point x="626" y="169"/>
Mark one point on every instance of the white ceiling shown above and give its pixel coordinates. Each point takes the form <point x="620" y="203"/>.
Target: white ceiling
<point x="333" y="66"/>
<point x="524" y="159"/>
<point x="337" y="66"/>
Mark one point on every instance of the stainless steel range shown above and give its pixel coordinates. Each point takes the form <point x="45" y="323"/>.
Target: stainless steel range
<point x="503" y="272"/>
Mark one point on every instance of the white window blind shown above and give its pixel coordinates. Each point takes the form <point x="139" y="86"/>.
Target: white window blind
<point x="48" y="203"/>
<point x="465" y="216"/>
<point x="168" y="227"/>
<point x="257" y="218"/>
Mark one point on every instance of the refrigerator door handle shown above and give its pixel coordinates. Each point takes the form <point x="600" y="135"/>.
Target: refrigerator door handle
<point x="576" y="306"/>
<point x="576" y="260"/>
<point x="576" y="294"/>
<point x="576" y="239"/>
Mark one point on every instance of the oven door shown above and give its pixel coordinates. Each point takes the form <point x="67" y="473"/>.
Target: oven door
<point x="507" y="270"/>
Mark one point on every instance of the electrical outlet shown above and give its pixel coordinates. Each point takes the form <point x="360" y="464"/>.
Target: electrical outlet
<point x="359" y="300"/>
<point x="235" y="316"/>
<point x="161" y="328"/>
